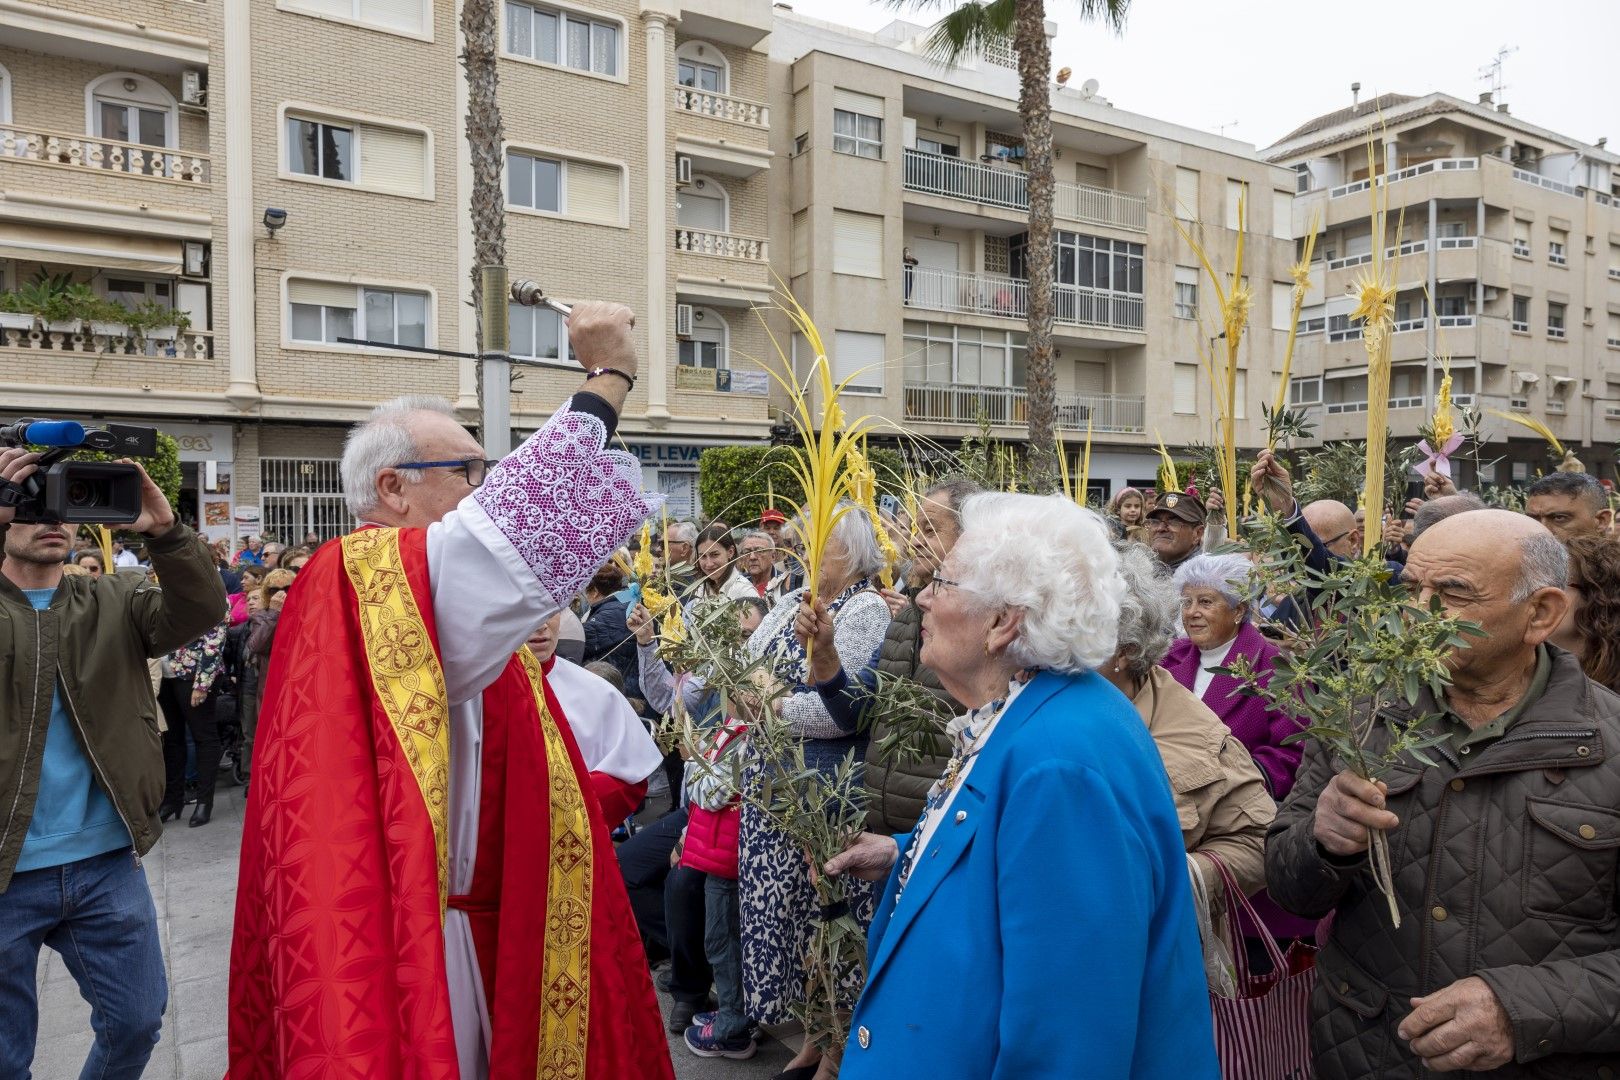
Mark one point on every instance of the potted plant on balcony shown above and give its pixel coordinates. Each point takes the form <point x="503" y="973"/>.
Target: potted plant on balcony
<point x="13" y="316"/>
<point x="153" y="321"/>
<point x="110" y="319"/>
<point x="58" y="302"/>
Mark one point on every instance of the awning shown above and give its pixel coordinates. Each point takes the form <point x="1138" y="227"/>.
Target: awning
<point x="82" y="247"/>
<point x="1526" y="378"/>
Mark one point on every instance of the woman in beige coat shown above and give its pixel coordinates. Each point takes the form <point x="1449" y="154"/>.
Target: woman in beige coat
<point x="1220" y="797"/>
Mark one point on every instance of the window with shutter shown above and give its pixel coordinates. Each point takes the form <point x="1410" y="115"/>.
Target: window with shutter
<point x="1186" y="299"/>
<point x="857" y="244"/>
<point x="1282" y="304"/>
<point x="406" y="15"/>
<point x="1187" y="194"/>
<point x="593" y="192"/>
<point x="393" y="160"/>
<point x="1184" y="395"/>
<point x="1282" y="215"/>
<point x="1237" y="200"/>
<point x="857" y="124"/>
<point x="861" y="356"/>
<point x="325" y="311"/>
<point x="403" y="16"/>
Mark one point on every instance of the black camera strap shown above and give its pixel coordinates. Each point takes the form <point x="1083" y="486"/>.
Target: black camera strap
<point x="12" y="494"/>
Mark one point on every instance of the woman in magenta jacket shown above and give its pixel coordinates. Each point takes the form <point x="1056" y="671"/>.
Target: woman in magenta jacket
<point x="1215" y="617"/>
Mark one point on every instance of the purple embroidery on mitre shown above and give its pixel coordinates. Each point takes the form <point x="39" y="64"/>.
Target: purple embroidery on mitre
<point x="565" y="503"/>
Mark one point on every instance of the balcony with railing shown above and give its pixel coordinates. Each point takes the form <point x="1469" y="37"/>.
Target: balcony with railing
<point x="968" y="405"/>
<point x="1525" y="176"/>
<point x="754" y="114"/>
<point x="44" y="147"/>
<point x="1008" y="298"/>
<point x="752" y="249"/>
<point x="103" y="340"/>
<point x="1008" y="189"/>
<point x="1425" y="168"/>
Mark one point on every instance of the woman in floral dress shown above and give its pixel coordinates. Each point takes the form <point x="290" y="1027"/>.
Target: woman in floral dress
<point x="777" y="899"/>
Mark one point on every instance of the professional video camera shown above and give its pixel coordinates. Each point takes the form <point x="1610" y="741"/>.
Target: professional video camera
<point x="78" y="492"/>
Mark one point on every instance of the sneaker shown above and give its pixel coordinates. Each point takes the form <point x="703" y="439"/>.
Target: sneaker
<point x="702" y="1042"/>
<point x="706" y="1019"/>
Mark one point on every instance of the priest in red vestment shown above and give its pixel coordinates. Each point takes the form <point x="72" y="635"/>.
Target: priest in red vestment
<point x="427" y="887"/>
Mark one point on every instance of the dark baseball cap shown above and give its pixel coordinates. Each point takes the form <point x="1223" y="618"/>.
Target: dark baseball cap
<point x="1179" y="504"/>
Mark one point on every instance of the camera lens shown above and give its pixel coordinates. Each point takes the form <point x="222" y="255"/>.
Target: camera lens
<point x="84" y="494"/>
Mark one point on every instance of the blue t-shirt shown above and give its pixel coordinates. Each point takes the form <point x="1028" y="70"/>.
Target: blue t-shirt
<point x="73" y="816"/>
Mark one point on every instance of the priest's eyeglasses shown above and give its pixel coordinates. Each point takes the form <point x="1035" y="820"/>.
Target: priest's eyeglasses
<point x="474" y="468"/>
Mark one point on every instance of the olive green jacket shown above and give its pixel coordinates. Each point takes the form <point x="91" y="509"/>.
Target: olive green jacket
<point x="93" y="641"/>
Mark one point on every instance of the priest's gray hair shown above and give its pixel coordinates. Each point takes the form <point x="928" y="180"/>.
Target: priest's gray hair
<point x="1147" y="612"/>
<point x="1228" y="575"/>
<point x="380" y="442"/>
<point x="1053" y="561"/>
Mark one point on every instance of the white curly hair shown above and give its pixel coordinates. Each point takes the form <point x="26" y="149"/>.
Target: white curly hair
<point x="1052" y="560"/>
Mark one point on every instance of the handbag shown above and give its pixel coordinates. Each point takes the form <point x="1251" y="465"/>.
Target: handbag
<point x="1263" y="1033"/>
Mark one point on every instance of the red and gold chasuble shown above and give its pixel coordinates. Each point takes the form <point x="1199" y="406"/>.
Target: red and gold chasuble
<point x="337" y="962"/>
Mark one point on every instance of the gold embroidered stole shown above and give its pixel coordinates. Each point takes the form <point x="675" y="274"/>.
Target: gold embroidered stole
<point x="566" y="966"/>
<point x="406" y="675"/>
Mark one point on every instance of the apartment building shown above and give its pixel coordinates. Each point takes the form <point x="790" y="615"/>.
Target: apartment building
<point x="886" y="157"/>
<point x="140" y="150"/>
<point x="1508" y="241"/>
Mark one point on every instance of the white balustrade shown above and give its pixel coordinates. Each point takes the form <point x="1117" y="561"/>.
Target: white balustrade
<point x="725" y="245"/>
<point x="955" y="178"/>
<point x="722" y="106"/>
<point x="1008" y="297"/>
<point x="187" y="345"/>
<point x="108" y="155"/>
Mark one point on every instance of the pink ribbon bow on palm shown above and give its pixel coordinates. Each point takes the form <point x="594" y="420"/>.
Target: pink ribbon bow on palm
<point x="1439" y="461"/>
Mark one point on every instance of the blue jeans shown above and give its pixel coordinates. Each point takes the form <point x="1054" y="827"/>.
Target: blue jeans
<point x="98" y="914"/>
<point x="722" y="944"/>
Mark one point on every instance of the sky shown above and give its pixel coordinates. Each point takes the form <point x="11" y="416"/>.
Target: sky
<point x="1256" y="69"/>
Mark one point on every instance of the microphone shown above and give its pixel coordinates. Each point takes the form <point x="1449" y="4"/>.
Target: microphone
<point x="54" y="433"/>
<point x="60" y="433"/>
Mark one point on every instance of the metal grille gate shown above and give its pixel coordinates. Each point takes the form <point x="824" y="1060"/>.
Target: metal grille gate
<point x="299" y="496"/>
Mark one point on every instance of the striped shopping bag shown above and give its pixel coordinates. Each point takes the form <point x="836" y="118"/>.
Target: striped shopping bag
<point x="1263" y="1033"/>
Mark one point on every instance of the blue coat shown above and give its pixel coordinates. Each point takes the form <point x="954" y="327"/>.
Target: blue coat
<point x="1048" y="931"/>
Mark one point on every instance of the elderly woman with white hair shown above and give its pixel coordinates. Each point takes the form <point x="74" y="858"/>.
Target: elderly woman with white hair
<point x="1046" y="878"/>
<point x="776" y="898"/>
<point x="1215" y="614"/>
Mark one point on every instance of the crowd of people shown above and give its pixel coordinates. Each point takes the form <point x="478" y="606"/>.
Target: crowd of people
<point x="449" y="719"/>
<point x="1187" y="612"/>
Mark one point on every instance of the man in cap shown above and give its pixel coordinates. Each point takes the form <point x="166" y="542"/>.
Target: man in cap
<point x="1176" y="528"/>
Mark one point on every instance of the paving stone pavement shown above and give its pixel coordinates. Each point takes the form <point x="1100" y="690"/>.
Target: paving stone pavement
<point x="192" y="873"/>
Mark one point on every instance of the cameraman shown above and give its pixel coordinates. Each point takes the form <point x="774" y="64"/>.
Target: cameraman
<point x="81" y="772"/>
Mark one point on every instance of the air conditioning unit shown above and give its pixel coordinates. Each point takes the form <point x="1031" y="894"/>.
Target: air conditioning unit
<point x="683" y="320"/>
<point x="1611" y="412"/>
<point x="191" y="88"/>
<point x="683" y="169"/>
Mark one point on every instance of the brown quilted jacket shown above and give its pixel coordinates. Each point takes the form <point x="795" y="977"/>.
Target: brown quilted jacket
<point x="1505" y="868"/>
<point x="898" y="789"/>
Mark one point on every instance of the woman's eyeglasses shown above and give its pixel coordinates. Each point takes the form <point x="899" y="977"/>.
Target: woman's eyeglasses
<point x="475" y="469"/>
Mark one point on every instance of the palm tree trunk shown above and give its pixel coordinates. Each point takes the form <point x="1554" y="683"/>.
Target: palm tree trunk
<point x="1035" y="109"/>
<point x="480" y="31"/>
